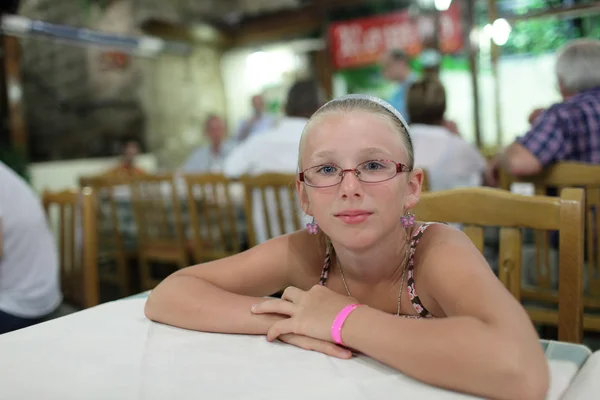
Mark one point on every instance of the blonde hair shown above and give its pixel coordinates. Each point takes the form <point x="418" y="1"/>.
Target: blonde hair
<point x="366" y="103"/>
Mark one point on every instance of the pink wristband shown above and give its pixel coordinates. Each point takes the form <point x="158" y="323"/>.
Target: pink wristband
<point x="338" y="322"/>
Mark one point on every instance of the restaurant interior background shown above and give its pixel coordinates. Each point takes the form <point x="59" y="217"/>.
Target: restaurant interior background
<point x="79" y="78"/>
<point x="83" y="75"/>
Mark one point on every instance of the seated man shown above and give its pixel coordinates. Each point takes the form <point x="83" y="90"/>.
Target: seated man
<point x="276" y="150"/>
<point x="448" y="160"/>
<point x="126" y="166"/>
<point x="209" y="158"/>
<point x="29" y="275"/>
<point x="567" y="131"/>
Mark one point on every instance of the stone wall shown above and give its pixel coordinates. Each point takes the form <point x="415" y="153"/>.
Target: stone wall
<point x="178" y="95"/>
<point x="83" y="101"/>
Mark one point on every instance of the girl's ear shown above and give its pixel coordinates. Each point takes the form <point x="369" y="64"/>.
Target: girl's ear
<point x="303" y="197"/>
<point x="415" y="182"/>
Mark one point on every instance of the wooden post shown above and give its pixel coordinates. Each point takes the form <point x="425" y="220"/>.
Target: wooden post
<point x="495" y="54"/>
<point x="322" y="58"/>
<point x="472" y="51"/>
<point x="14" y="92"/>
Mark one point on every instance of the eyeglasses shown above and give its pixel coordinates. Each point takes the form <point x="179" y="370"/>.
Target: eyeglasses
<point x="372" y="171"/>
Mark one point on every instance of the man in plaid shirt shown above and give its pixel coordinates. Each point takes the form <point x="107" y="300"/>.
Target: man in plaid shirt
<point x="567" y="131"/>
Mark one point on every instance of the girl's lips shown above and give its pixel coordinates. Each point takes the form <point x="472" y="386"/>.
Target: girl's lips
<point x="353" y="218"/>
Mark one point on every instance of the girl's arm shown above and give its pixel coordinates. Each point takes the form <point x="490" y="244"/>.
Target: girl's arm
<point x="217" y="296"/>
<point x="486" y="346"/>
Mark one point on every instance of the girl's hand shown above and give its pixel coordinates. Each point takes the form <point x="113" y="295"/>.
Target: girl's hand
<point x="321" y="346"/>
<point x="311" y="312"/>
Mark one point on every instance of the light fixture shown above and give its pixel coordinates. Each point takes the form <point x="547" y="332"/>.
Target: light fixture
<point x="442" y="5"/>
<point x="498" y="31"/>
<point x="501" y="31"/>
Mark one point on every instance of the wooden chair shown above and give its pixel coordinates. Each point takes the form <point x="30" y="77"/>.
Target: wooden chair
<point x="113" y="255"/>
<point x="213" y="217"/>
<point x="156" y="204"/>
<point x="78" y="267"/>
<point x="559" y="176"/>
<point x="480" y="207"/>
<point x="274" y="192"/>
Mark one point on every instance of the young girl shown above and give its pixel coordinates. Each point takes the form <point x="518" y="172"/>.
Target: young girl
<point x="416" y="296"/>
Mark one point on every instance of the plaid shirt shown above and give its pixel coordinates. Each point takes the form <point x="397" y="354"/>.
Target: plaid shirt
<point x="567" y="131"/>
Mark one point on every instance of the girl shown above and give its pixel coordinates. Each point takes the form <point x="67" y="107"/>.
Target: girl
<point x="416" y="296"/>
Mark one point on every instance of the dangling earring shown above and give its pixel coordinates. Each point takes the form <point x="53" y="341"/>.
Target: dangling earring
<point x="408" y="220"/>
<point x="312" y="227"/>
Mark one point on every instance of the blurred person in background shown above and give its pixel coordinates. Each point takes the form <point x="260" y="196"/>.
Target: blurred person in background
<point x="260" y="120"/>
<point x="431" y="60"/>
<point x="566" y="131"/>
<point x="276" y="150"/>
<point x="209" y="158"/>
<point x="126" y="166"/>
<point x="448" y="160"/>
<point x="29" y="271"/>
<point x="396" y="68"/>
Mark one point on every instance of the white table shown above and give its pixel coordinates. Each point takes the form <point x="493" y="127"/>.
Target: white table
<point x="586" y="384"/>
<point x="113" y="352"/>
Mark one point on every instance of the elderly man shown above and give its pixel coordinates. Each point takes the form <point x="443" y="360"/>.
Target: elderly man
<point x="209" y="158"/>
<point x="567" y="131"/>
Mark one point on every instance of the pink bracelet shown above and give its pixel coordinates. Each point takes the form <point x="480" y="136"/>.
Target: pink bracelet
<point x="338" y="322"/>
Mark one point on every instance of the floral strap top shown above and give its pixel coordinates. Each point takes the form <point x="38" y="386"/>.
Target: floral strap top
<point x="412" y="292"/>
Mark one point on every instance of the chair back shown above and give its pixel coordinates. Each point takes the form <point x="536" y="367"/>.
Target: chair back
<point x="477" y="208"/>
<point x="156" y="202"/>
<point x="559" y="176"/>
<point x="271" y="205"/>
<point x="71" y="213"/>
<point x="116" y="229"/>
<point x="214" y="217"/>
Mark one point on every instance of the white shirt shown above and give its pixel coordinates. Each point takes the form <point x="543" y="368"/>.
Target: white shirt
<point x="449" y="161"/>
<point x="273" y="151"/>
<point x="203" y="160"/>
<point x="29" y="274"/>
<point x="262" y="124"/>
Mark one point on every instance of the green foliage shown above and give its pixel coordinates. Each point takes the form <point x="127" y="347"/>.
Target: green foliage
<point x="537" y="36"/>
<point x="540" y="35"/>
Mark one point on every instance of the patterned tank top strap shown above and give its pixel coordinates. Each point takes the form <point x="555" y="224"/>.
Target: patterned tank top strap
<point x="412" y="292"/>
<point x="326" y="265"/>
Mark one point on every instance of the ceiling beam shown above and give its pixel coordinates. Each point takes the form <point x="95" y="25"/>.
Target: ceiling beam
<point x="265" y="28"/>
<point x="286" y="24"/>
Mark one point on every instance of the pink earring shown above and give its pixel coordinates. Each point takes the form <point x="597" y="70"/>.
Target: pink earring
<point x="408" y="219"/>
<point x="312" y="227"/>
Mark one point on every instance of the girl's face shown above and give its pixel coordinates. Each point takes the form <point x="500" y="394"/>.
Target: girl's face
<point x="354" y="213"/>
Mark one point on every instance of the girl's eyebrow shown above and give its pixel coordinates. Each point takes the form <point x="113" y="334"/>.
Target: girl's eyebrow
<point x="316" y="157"/>
<point x="321" y="154"/>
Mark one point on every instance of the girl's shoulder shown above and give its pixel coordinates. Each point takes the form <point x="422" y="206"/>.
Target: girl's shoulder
<point x="426" y="234"/>
<point x="435" y="240"/>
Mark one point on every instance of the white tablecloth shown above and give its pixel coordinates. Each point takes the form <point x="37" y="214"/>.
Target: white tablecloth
<point x="113" y="352"/>
<point x="586" y="385"/>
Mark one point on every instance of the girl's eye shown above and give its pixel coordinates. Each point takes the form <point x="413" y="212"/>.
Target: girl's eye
<point x="372" y="166"/>
<point x="326" y="169"/>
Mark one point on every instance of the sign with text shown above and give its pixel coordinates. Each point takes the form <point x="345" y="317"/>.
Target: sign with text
<point x="362" y="41"/>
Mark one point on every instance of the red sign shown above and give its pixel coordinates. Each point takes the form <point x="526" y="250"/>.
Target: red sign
<point x="362" y="41"/>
